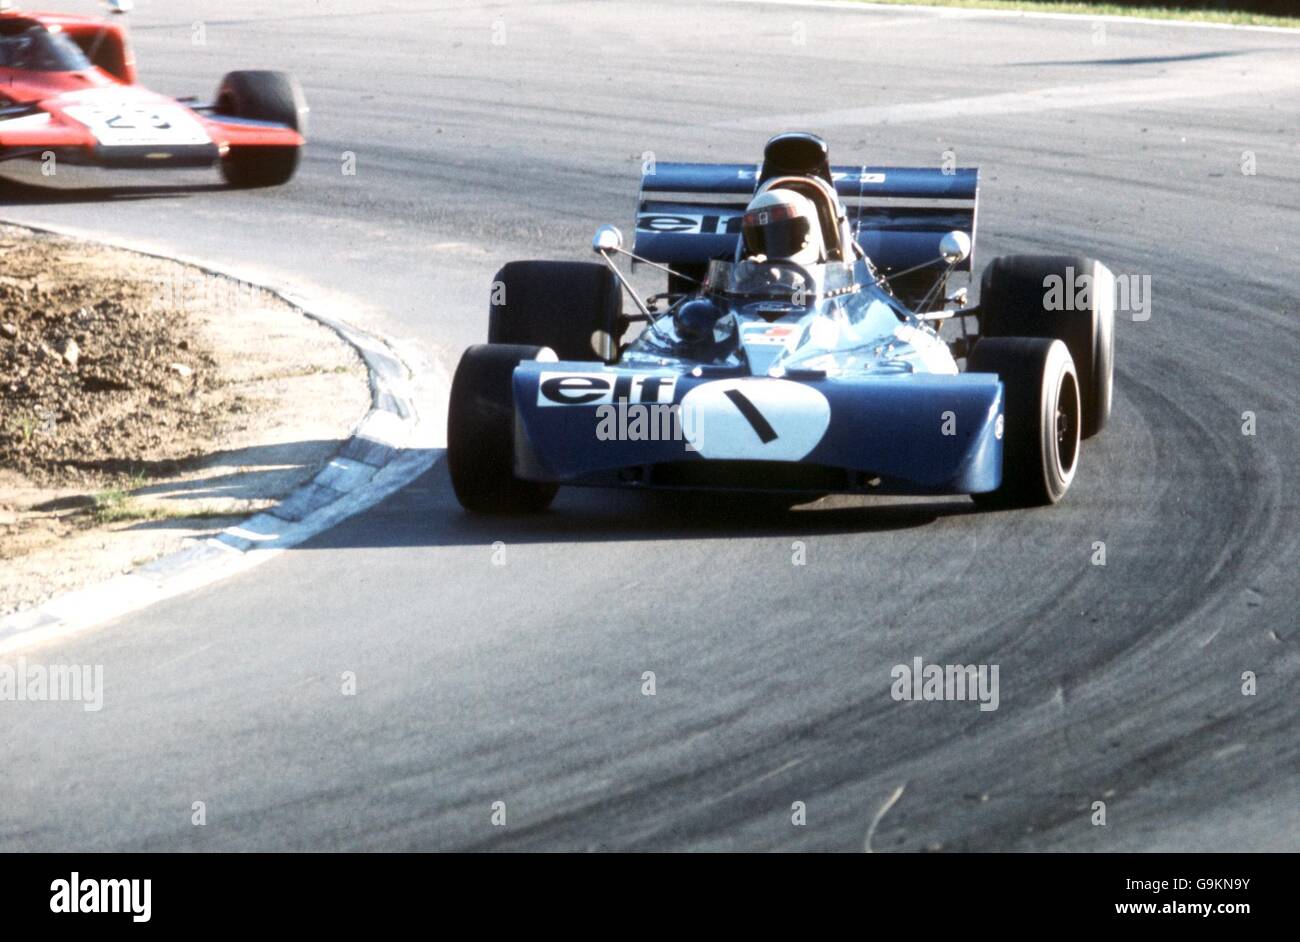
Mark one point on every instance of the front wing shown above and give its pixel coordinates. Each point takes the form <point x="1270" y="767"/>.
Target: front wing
<point x="895" y="433"/>
<point x="33" y="131"/>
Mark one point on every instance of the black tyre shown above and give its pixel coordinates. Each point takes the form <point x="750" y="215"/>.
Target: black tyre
<point x="262" y="96"/>
<point x="481" y="433"/>
<point x="572" y="307"/>
<point x="1014" y="298"/>
<point x="1042" y="418"/>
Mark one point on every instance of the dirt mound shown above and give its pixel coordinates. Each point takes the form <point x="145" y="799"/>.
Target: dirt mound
<point x="145" y="403"/>
<point x="100" y="377"/>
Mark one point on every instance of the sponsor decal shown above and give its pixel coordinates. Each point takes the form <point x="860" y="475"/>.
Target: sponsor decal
<point x="716" y="223"/>
<point x="597" y="389"/>
<point x="836" y="176"/>
<point x="768" y="334"/>
<point x="127" y="125"/>
<point x="756" y="419"/>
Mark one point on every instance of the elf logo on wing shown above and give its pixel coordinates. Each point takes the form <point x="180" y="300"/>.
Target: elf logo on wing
<point x="596" y="389"/>
<point x="719" y="223"/>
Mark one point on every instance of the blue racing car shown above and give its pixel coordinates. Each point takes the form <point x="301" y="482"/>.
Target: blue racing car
<point x="797" y="348"/>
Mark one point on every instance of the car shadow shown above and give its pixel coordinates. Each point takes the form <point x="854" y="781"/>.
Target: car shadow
<point x="1141" y="60"/>
<point x="15" y="192"/>
<point x="210" y="484"/>
<point x="426" y="514"/>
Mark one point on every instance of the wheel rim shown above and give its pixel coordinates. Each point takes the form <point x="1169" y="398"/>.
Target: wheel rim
<point x="1067" y="426"/>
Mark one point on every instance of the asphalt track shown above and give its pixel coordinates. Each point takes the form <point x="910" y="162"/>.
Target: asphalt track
<point x="522" y="683"/>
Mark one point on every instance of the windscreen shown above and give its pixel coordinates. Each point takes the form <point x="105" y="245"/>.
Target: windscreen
<point x="36" y="49"/>
<point x="845" y="335"/>
<point x="755" y="280"/>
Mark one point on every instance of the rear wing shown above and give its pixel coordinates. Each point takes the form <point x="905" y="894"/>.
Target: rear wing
<point x="690" y="213"/>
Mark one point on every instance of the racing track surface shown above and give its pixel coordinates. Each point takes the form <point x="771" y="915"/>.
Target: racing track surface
<point x="522" y="683"/>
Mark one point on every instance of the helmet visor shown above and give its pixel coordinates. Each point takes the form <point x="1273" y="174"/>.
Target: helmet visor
<point x="776" y="231"/>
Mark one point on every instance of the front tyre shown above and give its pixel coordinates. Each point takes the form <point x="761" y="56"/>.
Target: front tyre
<point x="1042" y="418"/>
<point x="262" y="96"/>
<point x="481" y="432"/>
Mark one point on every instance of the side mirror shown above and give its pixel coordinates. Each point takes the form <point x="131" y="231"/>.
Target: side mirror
<point x="955" y="247"/>
<point x="607" y="239"/>
<point x="121" y="6"/>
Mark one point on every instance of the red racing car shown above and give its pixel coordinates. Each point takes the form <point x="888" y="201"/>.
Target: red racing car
<point x="68" y="93"/>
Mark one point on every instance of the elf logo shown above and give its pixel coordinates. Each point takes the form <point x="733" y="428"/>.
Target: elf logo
<point x="719" y="223"/>
<point x="597" y="389"/>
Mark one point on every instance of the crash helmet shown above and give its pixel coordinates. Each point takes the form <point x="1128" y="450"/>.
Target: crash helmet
<point x="781" y="225"/>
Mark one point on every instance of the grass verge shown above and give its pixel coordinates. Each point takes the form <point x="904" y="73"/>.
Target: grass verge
<point x="116" y="506"/>
<point x="1235" y="18"/>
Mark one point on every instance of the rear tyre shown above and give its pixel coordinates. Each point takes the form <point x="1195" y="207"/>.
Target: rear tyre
<point x="262" y="96"/>
<point x="481" y="433"/>
<point x="1041" y="418"/>
<point x="572" y="307"/>
<point x="1015" y="293"/>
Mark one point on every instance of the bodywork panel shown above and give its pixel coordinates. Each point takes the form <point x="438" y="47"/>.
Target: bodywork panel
<point x="893" y="433"/>
<point x="809" y="379"/>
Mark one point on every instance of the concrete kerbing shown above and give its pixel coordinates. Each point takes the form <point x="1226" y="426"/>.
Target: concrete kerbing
<point x="396" y="441"/>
